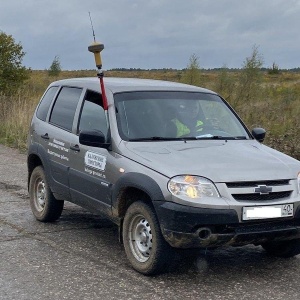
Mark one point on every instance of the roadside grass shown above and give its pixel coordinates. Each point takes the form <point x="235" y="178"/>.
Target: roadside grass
<point x="276" y="108"/>
<point x="273" y="105"/>
<point x="15" y="114"/>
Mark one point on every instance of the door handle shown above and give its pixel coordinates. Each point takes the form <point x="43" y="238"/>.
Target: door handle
<point x="45" y="136"/>
<point x="75" y="148"/>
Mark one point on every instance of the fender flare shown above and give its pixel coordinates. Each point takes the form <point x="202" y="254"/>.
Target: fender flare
<point x="139" y="181"/>
<point x="38" y="151"/>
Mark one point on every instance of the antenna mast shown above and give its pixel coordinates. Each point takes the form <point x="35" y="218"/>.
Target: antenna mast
<point x="92" y="27"/>
<point x="96" y="48"/>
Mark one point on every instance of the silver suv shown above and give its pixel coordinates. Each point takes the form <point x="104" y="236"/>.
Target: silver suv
<point x="171" y="164"/>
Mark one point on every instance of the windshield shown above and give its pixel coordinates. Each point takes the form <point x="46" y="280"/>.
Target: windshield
<point x="176" y="115"/>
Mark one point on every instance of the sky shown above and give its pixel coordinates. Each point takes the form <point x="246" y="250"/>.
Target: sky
<point x="154" y="34"/>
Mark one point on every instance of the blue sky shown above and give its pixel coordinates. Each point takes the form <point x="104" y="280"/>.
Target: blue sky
<point x="154" y="33"/>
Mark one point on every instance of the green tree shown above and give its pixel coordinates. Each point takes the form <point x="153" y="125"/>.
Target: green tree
<point x="55" y="67"/>
<point x="192" y="72"/>
<point x="12" y="73"/>
<point x="225" y="84"/>
<point x="251" y="77"/>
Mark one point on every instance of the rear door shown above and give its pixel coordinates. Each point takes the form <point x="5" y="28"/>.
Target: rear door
<point x="58" y="137"/>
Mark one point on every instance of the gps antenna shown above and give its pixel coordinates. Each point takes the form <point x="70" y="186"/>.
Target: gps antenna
<point x="96" y="48"/>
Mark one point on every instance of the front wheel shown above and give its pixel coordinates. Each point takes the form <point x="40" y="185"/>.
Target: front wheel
<point x="145" y="247"/>
<point x="284" y="249"/>
<point x="42" y="202"/>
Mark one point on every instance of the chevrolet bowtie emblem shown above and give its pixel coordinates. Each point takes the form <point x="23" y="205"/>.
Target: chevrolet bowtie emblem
<point x="263" y="189"/>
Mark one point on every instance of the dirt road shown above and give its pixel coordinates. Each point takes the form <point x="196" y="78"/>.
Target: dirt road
<point x="79" y="257"/>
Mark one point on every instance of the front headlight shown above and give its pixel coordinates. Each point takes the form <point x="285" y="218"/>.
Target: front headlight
<point x="298" y="179"/>
<point x="194" y="187"/>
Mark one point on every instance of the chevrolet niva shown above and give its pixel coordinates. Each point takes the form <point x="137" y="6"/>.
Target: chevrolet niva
<point x="171" y="164"/>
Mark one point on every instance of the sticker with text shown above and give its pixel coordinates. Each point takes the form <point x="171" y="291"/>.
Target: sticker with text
<point x="58" y="145"/>
<point x="95" y="160"/>
<point x="60" y="156"/>
<point x="94" y="173"/>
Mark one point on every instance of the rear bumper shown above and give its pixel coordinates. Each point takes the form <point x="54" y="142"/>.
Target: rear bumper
<point x="188" y="227"/>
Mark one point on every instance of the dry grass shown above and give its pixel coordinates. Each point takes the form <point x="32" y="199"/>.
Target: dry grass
<point x="275" y="108"/>
<point x="15" y="115"/>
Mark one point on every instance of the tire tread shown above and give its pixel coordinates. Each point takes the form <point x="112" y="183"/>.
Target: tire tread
<point x="161" y="258"/>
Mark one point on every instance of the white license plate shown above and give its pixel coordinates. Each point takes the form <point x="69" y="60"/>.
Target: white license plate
<point x="268" y="212"/>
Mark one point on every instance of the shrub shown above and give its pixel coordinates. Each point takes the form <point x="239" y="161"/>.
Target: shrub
<point x="192" y="73"/>
<point x="274" y="70"/>
<point x="55" y="67"/>
<point x="250" y="79"/>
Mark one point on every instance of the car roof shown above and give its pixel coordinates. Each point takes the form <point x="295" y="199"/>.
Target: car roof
<point x="118" y="84"/>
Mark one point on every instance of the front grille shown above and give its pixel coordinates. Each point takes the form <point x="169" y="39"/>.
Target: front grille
<point x="263" y="197"/>
<point x="241" y="184"/>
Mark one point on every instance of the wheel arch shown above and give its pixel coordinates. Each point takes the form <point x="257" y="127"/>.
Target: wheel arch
<point x="37" y="156"/>
<point x="133" y="187"/>
<point x="33" y="161"/>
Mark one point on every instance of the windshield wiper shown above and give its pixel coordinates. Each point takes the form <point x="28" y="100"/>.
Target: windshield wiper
<point x="219" y="137"/>
<point x="210" y="137"/>
<point x="199" y="137"/>
<point x="154" y="138"/>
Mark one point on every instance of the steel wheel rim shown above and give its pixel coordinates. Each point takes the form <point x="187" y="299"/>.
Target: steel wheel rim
<point x="140" y="238"/>
<point x="40" y="194"/>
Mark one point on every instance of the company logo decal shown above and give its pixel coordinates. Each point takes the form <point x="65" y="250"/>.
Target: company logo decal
<point x="95" y="160"/>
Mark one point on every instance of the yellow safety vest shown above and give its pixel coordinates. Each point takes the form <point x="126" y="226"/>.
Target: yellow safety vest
<point x="183" y="129"/>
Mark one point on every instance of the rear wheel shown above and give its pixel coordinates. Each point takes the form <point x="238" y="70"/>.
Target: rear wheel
<point x="283" y="249"/>
<point x="144" y="244"/>
<point x="42" y="202"/>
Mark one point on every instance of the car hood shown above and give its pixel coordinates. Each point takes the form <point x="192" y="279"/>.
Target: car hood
<point x="220" y="161"/>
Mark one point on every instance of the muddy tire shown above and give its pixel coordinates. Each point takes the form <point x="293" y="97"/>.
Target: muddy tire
<point x="284" y="249"/>
<point x="42" y="202"/>
<point x="145" y="247"/>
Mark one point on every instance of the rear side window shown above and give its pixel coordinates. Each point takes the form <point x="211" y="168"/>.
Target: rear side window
<point x="45" y="103"/>
<point x="64" y="108"/>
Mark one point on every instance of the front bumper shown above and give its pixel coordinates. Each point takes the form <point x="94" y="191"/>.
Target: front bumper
<point x="190" y="227"/>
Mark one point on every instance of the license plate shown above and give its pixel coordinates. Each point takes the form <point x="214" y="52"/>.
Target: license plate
<point x="268" y="212"/>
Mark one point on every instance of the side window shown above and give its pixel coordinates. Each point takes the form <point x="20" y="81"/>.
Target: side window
<point x="93" y="115"/>
<point x="45" y="103"/>
<point x="64" y="108"/>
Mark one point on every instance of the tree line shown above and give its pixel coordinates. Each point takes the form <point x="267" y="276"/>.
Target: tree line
<point x="13" y="73"/>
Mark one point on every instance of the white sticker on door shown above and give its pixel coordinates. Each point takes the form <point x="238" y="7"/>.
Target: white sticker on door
<point x="95" y="160"/>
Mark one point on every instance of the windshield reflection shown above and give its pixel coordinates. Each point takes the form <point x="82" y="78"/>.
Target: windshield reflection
<point x="176" y="115"/>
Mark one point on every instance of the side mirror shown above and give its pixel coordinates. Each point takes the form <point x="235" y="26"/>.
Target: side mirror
<point x="259" y="134"/>
<point x="93" y="138"/>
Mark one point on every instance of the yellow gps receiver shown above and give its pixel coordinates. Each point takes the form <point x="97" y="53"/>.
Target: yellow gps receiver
<point x="96" y="48"/>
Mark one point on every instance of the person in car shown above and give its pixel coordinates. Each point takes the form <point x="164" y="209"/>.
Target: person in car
<point x="188" y="121"/>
